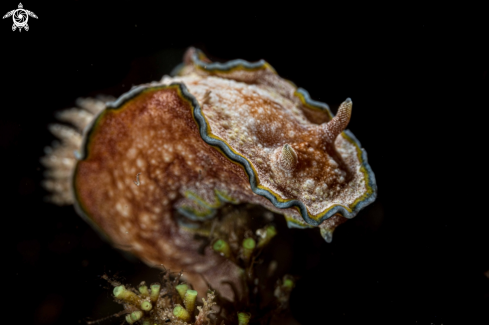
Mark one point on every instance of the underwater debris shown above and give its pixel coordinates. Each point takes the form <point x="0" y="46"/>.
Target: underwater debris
<point x="283" y="290"/>
<point x="137" y="179"/>
<point x="160" y="307"/>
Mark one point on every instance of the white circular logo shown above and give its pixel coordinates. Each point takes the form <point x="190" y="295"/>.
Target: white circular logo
<point x="20" y="17"/>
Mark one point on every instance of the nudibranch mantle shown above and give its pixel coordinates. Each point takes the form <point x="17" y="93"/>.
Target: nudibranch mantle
<point x="213" y="133"/>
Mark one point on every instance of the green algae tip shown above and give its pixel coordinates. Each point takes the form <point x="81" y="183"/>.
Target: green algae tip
<point x="248" y="247"/>
<point x="249" y="243"/>
<point x="243" y="318"/>
<point x="120" y="292"/>
<point x="155" y="291"/>
<point x="270" y="232"/>
<point x="136" y="315"/>
<point x="222" y="247"/>
<point x="182" y="289"/>
<point x="129" y="319"/>
<point x="144" y="290"/>
<point x="289" y="284"/>
<point x="189" y="301"/>
<point x="181" y="313"/>
<point x="146" y="306"/>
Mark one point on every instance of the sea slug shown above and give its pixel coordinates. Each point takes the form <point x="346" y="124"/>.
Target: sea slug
<point x="213" y="133"/>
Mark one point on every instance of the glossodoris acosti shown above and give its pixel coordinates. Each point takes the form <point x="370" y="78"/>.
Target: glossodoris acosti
<point x="215" y="132"/>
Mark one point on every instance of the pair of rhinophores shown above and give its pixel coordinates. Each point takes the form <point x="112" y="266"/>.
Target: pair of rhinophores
<point x="211" y="134"/>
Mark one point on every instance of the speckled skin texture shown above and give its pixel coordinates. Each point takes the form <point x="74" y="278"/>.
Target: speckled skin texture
<point x="257" y="122"/>
<point x="154" y="135"/>
<point x="156" y="131"/>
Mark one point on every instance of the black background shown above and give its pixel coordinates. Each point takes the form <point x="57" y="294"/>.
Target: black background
<point x="419" y="82"/>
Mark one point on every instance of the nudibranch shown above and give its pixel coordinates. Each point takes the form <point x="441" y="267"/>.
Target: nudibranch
<point x="212" y="133"/>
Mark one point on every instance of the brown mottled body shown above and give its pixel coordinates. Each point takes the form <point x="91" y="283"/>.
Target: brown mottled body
<point x="258" y="120"/>
<point x="259" y="117"/>
<point x="155" y="135"/>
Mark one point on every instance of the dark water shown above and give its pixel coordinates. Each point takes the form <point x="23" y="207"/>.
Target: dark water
<point x="416" y="256"/>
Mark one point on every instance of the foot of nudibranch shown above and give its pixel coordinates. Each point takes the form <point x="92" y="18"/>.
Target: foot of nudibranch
<point x="328" y="226"/>
<point x="327" y="234"/>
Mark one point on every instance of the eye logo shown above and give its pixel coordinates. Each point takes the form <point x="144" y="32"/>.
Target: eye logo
<point x="20" y="17"/>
